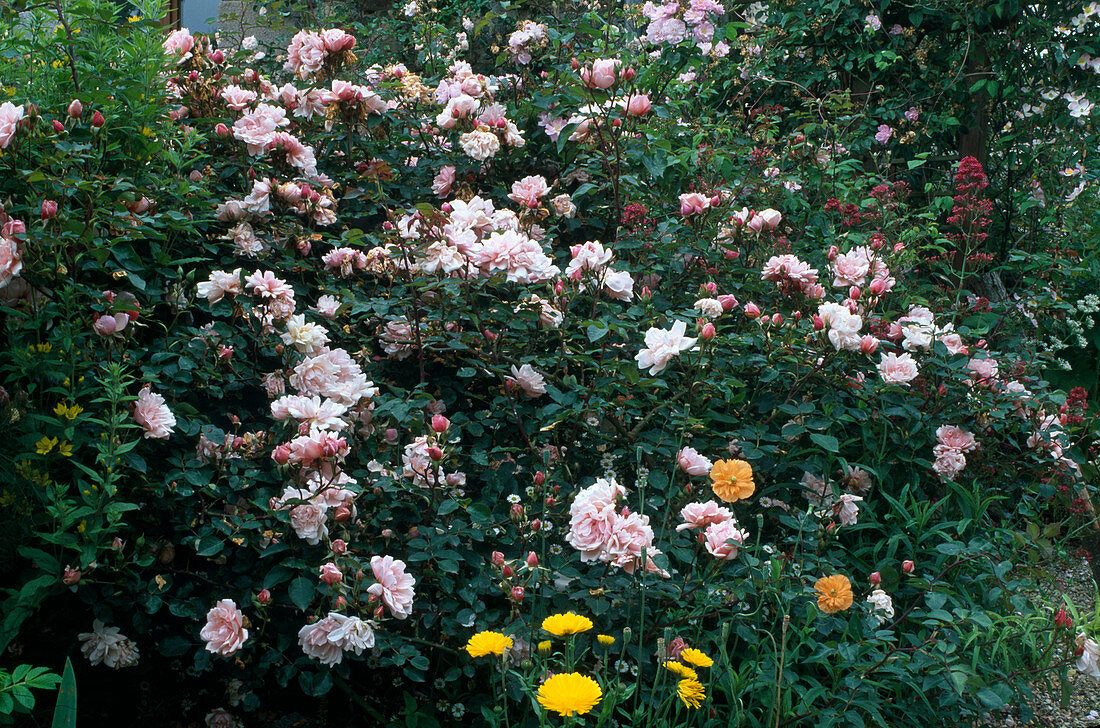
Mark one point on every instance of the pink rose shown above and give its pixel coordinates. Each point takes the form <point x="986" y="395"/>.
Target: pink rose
<point x="956" y="438"/>
<point x="10" y="116"/>
<point x="336" y="40"/>
<point x="770" y="218"/>
<point x="701" y="515"/>
<point x="896" y="369"/>
<point x="331" y="574"/>
<point x="107" y="325"/>
<point x="441" y="185"/>
<point x="224" y="631"/>
<point x="394" y="587"/>
<point x="602" y="74"/>
<point x="693" y="203"/>
<point x="692" y="463"/>
<point x="717" y="538"/>
<point x="153" y="414"/>
<point x="314" y="641"/>
<point x="638" y="105"/>
<point x="528" y="191"/>
<point x="179" y="43"/>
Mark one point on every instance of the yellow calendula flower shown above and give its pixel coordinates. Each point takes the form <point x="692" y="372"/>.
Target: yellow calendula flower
<point x="681" y="670"/>
<point x="545" y="646"/>
<point x="44" y="445"/>
<point x="696" y="657"/>
<point x="569" y="623"/>
<point x="731" y="480"/>
<point x="570" y="693"/>
<point x="691" y="692"/>
<point x="605" y="639"/>
<point x="488" y="643"/>
<point x="65" y="448"/>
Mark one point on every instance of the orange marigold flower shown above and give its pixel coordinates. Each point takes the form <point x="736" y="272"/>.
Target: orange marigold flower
<point x="834" y="593"/>
<point x="731" y="480"/>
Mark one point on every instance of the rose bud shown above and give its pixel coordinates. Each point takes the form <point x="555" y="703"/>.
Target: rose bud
<point x="854" y="293"/>
<point x="536" y="525"/>
<point x="551" y="501"/>
<point x="221" y="130"/>
<point x="264" y="597"/>
<point x="707" y="332"/>
<point x="97" y="120"/>
<point x="559" y="287"/>
<point x="440" y="423"/>
<point x="117" y="544"/>
<point x="435" y="453"/>
<point x="497" y="558"/>
<point x="833" y="252"/>
<point x="752" y="310"/>
<point x="532" y="559"/>
<point x="217" y="56"/>
<point x="391" y="436"/>
<point x="797" y="315"/>
<point x="71" y="577"/>
<point x="646" y="294"/>
<point x="379" y="612"/>
<point x="818" y="323"/>
<point x="517" y="594"/>
<point x="340" y="602"/>
<point x="877" y="287"/>
<point x="387" y="532"/>
<point x="339" y="547"/>
<point x="876" y="578"/>
<point x="907" y="567"/>
<point x="516" y="511"/>
<point x="728" y="302"/>
<point x="49" y="209"/>
<point x="58" y="126"/>
<point x="777" y="318"/>
<point x="868" y="344"/>
<point x="710" y="287"/>
<point x="732" y="254"/>
<point x="638" y="105"/>
<point x="507" y="572"/>
<point x="331" y="574"/>
<point x="76" y="109"/>
<point x="539" y="478"/>
<point x="281" y="454"/>
<point x="343" y="513"/>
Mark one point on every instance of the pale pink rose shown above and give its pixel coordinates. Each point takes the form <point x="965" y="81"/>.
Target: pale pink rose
<point x="314" y="641"/>
<point x="701" y="515"/>
<point x="693" y="203"/>
<point x="771" y="219"/>
<point x="237" y="98"/>
<point x="630" y="534"/>
<point x="526" y="378"/>
<point x="563" y="205"/>
<point x="331" y="574"/>
<point x="619" y="285"/>
<point x="692" y="463"/>
<point x="108" y="325"/>
<point x="898" y="369"/>
<point x="956" y="438"/>
<point x="602" y="74"/>
<point x="592" y="256"/>
<point x="179" y="43"/>
<point x="592" y="518"/>
<point x="661" y="345"/>
<point x="817" y="491"/>
<point x="308" y="521"/>
<point x="10" y="116"/>
<point x="153" y="414"/>
<point x="716" y="538"/>
<point x="224" y="631"/>
<point x="441" y="185"/>
<point x="846" y="510"/>
<point x="336" y="40"/>
<point x="108" y="646"/>
<point x="638" y="105"/>
<point x="948" y="463"/>
<point x="479" y="144"/>
<point x="257" y="128"/>
<point x="306" y="54"/>
<point x="11" y="260"/>
<point x="1089" y="660"/>
<point x="394" y="587"/>
<point x="984" y="370"/>
<point x="954" y="343"/>
<point x="529" y="191"/>
<point x="851" y="268"/>
<point x="220" y="283"/>
<point x="327" y="306"/>
<point x="220" y="718"/>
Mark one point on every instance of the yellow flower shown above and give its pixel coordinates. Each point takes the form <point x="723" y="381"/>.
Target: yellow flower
<point x="545" y="646"/>
<point x="570" y="693"/>
<point x="691" y="692"/>
<point x="681" y="670"/>
<point x="488" y="643"/>
<point x="731" y="480"/>
<point x="696" y="657"/>
<point x="65" y="448"/>
<point x="605" y="639"/>
<point x="133" y="18"/>
<point x="44" y="445"/>
<point x="43" y="348"/>
<point x="834" y="593"/>
<point x="69" y="413"/>
<point x="569" y="623"/>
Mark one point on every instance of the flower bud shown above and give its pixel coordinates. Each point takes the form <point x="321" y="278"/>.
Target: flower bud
<point x="71" y="577"/>
<point x="532" y="559"/>
<point x="877" y="287"/>
<point x="868" y="344"/>
<point x="264" y="597"/>
<point x="646" y="294"/>
<point x="331" y="574"/>
<point x="907" y="567"/>
<point x="497" y="559"/>
<point x="76" y="109"/>
<point x="777" y="318"/>
<point x="539" y="477"/>
<point x="49" y="209"/>
<point x="440" y="423"/>
<point x="58" y="126"/>
<point x="117" y="544"/>
<point x="728" y="302"/>
<point x="339" y="547"/>
<point x="391" y="435"/>
<point x="833" y="252"/>
<point x="281" y="454"/>
<point x="707" y="332"/>
<point x="752" y="310"/>
<point x="854" y="293"/>
<point x="536" y="525"/>
<point x="876" y="578"/>
<point x="435" y="453"/>
<point x="517" y="594"/>
<point x="343" y="513"/>
<point x="507" y="571"/>
<point x="340" y="602"/>
<point x="97" y="120"/>
<point x="516" y="511"/>
<point x="379" y="612"/>
<point x="710" y="288"/>
<point x="221" y="130"/>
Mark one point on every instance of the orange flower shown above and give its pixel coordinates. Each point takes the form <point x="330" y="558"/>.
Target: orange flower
<point x="834" y="593"/>
<point x="731" y="480"/>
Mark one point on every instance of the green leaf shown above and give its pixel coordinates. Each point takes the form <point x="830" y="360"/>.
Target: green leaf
<point x="826" y="442"/>
<point x="64" y="714"/>
<point x="301" y="592"/>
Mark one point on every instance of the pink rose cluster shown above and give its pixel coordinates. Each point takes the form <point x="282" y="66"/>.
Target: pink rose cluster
<point x="670" y="23"/>
<point x="424" y="470"/>
<point x="603" y="532"/>
<point x="721" y="536"/>
<point x="328" y="639"/>
<point x="952" y="445"/>
<point x="309" y="50"/>
<point x="793" y="276"/>
<point x="468" y="105"/>
<point x="843" y="508"/>
<point x="528" y="36"/>
<point x="590" y="265"/>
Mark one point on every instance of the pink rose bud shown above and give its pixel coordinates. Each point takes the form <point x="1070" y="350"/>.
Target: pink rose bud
<point x="818" y="323"/>
<point x="440" y="423"/>
<point x="217" y="56"/>
<point x="379" y="612"/>
<point x="777" y="318"/>
<point x="646" y="294"/>
<point x="536" y="525"/>
<point x="854" y="293"/>
<point x="279" y="348"/>
<point x="507" y="572"/>
<point x="339" y="547"/>
<point x="49" y="209"/>
<point x="225" y="353"/>
<point x="391" y="436"/>
<point x="221" y="130"/>
<point x="264" y="597"/>
<point x="638" y="105"/>
<point x="797" y="315"/>
<point x="58" y="126"/>
<point x="532" y="559"/>
<point x="710" y="287"/>
<point x="728" y="302"/>
<point x="71" y="577"/>
<point x="340" y="602"/>
<point x="868" y="344"/>
<point x="833" y="252"/>
<point x="490" y="335"/>
<point x="331" y="574"/>
<point x="893" y="331"/>
<point x="539" y="477"/>
<point x="907" y="567"/>
<point x="876" y="578"/>
<point x="435" y="453"/>
<point x="752" y="310"/>
<point x="97" y="120"/>
<point x="76" y="109"/>
<point x="942" y="390"/>
<point x="877" y="287"/>
<point x="195" y="176"/>
<point x="551" y="501"/>
<point x="516" y="511"/>
<point x="559" y="287"/>
<point x="732" y="254"/>
<point x="981" y="343"/>
<point x="707" y="332"/>
<point x="281" y="454"/>
<point x="497" y="558"/>
<point x="517" y="594"/>
<point x="627" y="75"/>
<point x="343" y="513"/>
<point x="117" y="544"/>
<point x="898" y="247"/>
